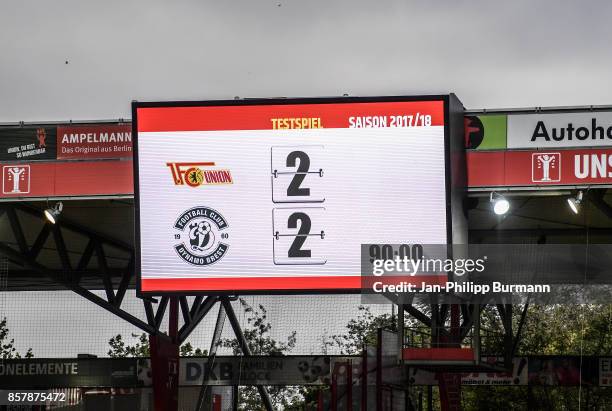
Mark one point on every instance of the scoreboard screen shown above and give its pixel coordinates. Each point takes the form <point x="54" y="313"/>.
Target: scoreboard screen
<point x="277" y="196"/>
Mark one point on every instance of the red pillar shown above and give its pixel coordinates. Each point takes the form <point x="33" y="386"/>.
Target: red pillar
<point x="165" y="364"/>
<point x="320" y="400"/>
<point x="217" y="402"/>
<point x="349" y="385"/>
<point x="455" y="327"/>
<point x="450" y="391"/>
<point x="450" y="384"/>
<point x="379" y="388"/>
<point x="334" y="390"/>
<point x="364" y="379"/>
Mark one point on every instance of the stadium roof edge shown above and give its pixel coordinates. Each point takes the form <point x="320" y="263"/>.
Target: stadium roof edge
<point x="534" y="110"/>
<point x="60" y="122"/>
<point x="519" y="110"/>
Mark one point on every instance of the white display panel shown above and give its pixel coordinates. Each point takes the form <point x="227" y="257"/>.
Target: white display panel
<point x="283" y="209"/>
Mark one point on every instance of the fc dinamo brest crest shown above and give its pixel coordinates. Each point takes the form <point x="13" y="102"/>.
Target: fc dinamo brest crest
<point x="203" y="234"/>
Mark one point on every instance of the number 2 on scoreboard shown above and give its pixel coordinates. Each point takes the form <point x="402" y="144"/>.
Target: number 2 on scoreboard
<point x="297" y="174"/>
<point x="298" y="236"/>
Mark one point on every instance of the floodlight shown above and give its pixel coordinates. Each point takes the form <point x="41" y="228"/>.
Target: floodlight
<point x="574" y="202"/>
<point x="53" y="214"/>
<point x="500" y="205"/>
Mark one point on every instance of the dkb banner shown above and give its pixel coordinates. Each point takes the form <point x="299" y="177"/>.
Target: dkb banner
<point x="294" y="370"/>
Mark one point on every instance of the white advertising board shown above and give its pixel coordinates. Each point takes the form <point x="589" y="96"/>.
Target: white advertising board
<point x="578" y="129"/>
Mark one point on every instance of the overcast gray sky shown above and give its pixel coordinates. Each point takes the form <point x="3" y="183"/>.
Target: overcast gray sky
<point x="491" y="54"/>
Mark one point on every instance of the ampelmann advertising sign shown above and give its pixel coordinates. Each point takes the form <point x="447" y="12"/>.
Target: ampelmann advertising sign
<point x="94" y="141"/>
<point x="579" y="129"/>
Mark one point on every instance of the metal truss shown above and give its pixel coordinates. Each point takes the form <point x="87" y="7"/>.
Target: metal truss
<point x="227" y="311"/>
<point x="115" y="282"/>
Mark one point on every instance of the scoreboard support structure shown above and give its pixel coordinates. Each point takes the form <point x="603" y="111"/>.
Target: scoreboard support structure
<point x="227" y="311"/>
<point x="212" y="353"/>
<point x="244" y="346"/>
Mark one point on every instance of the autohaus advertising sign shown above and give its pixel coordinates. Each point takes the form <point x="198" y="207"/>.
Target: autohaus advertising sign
<point x="586" y="129"/>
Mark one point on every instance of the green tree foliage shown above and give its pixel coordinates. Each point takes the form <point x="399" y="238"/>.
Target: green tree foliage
<point x="567" y="330"/>
<point x="187" y="350"/>
<point x="120" y="349"/>
<point x="258" y="334"/>
<point x="360" y="331"/>
<point x="7" y="344"/>
<point x="549" y="330"/>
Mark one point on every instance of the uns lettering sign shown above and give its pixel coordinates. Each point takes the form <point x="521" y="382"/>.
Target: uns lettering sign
<point x="540" y="168"/>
